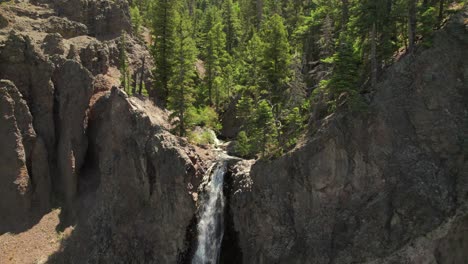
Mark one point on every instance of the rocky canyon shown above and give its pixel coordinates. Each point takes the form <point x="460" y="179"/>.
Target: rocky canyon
<point x="386" y="186"/>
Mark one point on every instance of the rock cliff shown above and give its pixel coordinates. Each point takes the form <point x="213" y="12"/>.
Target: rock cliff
<point x="124" y="183"/>
<point x="388" y="186"/>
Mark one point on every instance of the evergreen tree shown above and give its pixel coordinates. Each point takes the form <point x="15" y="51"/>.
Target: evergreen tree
<point x="253" y="59"/>
<point x="231" y="25"/>
<point x="345" y="76"/>
<point x="164" y="14"/>
<point x="181" y="84"/>
<point x="125" y="76"/>
<point x="266" y="134"/>
<point x="277" y="58"/>
<point x="137" y="19"/>
<point x="215" y="56"/>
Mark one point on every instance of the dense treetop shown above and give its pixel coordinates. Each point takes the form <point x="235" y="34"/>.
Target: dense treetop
<point x="277" y="61"/>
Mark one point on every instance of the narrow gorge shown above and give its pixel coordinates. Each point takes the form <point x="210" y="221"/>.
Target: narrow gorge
<point x="91" y="173"/>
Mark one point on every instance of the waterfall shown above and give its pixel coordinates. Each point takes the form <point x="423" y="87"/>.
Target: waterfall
<point x="211" y="223"/>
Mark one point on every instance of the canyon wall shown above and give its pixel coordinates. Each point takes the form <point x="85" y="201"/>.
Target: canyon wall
<point x="388" y="186"/>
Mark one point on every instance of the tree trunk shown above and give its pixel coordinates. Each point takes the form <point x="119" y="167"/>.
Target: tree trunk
<point x="441" y="12"/>
<point x="411" y="25"/>
<point x="344" y="13"/>
<point x="259" y="13"/>
<point x="373" y="56"/>
<point x="142" y="74"/>
<point x="134" y="83"/>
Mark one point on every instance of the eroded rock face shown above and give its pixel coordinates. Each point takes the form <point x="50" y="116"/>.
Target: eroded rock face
<point x="24" y="174"/>
<point x="65" y="27"/>
<point x="364" y="186"/>
<point x="15" y="183"/>
<point x="141" y="208"/>
<point x="73" y="92"/>
<point x="104" y="19"/>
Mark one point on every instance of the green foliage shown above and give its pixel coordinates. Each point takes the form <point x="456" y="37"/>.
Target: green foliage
<point x="292" y="129"/>
<point x="277" y="57"/>
<point x="205" y="117"/>
<point x="137" y="19"/>
<point x="164" y="13"/>
<point x="428" y="21"/>
<point x="181" y="98"/>
<point x="216" y="58"/>
<point x="259" y="130"/>
<point x="283" y="59"/>
<point x="243" y="145"/>
<point x="125" y="75"/>
<point x="201" y="138"/>
<point x="345" y="75"/>
<point x="231" y="25"/>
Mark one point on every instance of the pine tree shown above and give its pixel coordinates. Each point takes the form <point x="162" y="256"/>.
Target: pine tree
<point x="125" y="77"/>
<point x="181" y="83"/>
<point x="215" y="56"/>
<point x="253" y="59"/>
<point x="231" y="26"/>
<point x="266" y="134"/>
<point x="164" y="13"/>
<point x="277" y="58"/>
<point x="346" y="67"/>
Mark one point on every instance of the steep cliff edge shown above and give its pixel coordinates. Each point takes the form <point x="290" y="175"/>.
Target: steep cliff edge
<point x="124" y="184"/>
<point x="380" y="187"/>
<point x="135" y="204"/>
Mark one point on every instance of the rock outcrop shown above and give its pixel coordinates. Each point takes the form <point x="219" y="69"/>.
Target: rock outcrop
<point x="104" y="19"/>
<point x="141" y="206"/>
<point x="53" y="73"/>
<point x="375" y="186"/>
<point x="15" y="181"/>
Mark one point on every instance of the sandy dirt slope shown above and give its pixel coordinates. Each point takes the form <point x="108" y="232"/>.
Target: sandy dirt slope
<point x="34" y="245"/>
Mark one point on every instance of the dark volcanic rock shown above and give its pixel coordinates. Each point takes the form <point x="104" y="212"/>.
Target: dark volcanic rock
<point x="364" y="186"/>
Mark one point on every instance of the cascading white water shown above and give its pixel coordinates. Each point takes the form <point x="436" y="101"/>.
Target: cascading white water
<point x="211" y="223"/>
